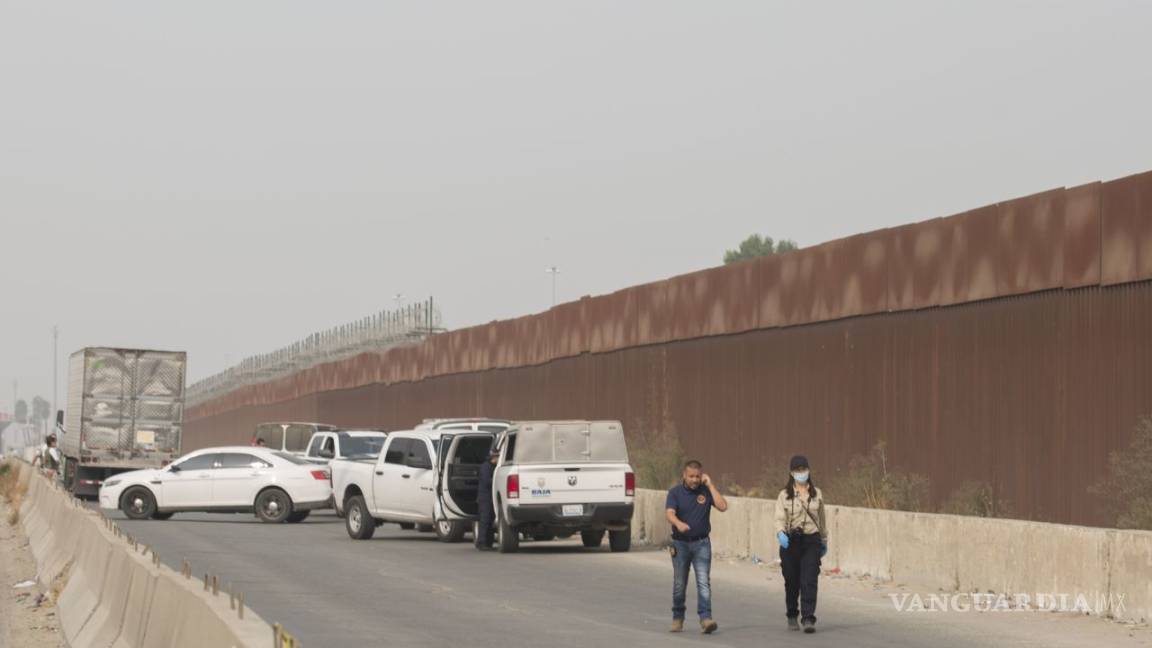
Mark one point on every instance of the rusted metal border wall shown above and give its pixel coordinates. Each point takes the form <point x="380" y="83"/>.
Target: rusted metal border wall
<point x="1029" y="394"/>
<point x="1095" y="234"/>
<point x="980" y="346"/>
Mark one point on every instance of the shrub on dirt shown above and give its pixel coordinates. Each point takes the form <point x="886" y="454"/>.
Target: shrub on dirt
<point x="1126" y="490"/>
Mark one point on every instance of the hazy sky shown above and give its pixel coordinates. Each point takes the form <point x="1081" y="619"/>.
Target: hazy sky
<point x="227" y="177"/>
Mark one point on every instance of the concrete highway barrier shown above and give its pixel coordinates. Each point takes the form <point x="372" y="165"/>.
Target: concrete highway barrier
<point x="116" y="594"/>
<point x="1111" y="569"/>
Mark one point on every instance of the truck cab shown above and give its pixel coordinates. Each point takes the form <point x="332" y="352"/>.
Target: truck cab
<point x="325" y="446"/>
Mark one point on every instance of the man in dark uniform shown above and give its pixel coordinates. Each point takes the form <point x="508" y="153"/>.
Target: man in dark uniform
<point x="688" y="509"/>
<point x="486" y="533"/>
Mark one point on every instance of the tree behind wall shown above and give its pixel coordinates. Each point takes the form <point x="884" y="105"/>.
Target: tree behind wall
<point x="757" y="246"/>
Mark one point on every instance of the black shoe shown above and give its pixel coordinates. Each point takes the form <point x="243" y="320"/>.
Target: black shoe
<point x="793" y="623"/>
<point x="809" y="626"/>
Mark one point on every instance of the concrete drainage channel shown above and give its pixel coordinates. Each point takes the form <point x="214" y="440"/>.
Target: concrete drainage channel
<point x="118" y="593"/>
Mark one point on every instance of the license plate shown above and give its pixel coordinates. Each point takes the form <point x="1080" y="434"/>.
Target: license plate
<point x="572" y="510"/>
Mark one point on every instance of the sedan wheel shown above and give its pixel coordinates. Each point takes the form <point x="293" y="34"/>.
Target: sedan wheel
<point x="138" y="503"/>
<point x="273" y="506"/>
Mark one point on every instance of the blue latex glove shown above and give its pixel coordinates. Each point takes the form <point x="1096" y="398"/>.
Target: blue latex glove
<point x="823" y="549"/>
<point x="782" y="538"/>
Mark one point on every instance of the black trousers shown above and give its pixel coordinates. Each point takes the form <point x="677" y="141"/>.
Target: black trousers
<point x="486" y="533"/>
<point x="800" y="563"/>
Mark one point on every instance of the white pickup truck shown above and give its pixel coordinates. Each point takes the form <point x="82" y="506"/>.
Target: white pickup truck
<point x="555" y="478"/>
<point x="325" y="446"/>
<point x="413" y="482"/>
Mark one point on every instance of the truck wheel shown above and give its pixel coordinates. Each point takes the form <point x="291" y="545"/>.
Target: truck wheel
<point x="357" y="520"/>
<point x="138" y="503"/>
<point x="592" y="539"/>
<point x="450" y="530"/>
<point x="162" y="516"/>
<point x="620" y="540"/>
<point x="273" y="506"/>
<point x="298" y="516"/>
<point x="407" y="526"/>
<point x="509" y="537"/>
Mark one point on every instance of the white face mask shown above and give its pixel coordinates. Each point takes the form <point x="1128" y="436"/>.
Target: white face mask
<point x="800" y="477"/>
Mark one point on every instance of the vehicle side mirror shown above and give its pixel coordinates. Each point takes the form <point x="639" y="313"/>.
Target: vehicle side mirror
<point x="173" y="468"/>
<point x="325" y="453"/>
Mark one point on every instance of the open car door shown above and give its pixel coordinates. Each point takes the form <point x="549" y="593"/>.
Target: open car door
<point x="457" y="478"/>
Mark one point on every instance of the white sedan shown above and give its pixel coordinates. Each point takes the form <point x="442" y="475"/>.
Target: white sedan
<point x="276" y="486"/>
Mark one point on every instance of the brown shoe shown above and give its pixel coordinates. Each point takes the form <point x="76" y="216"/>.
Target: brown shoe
<point x="677" y="625"/>
<point x="708" y="626"/>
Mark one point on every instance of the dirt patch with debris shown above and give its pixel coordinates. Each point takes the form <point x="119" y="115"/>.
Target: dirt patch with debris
<point x="28" y="614"/>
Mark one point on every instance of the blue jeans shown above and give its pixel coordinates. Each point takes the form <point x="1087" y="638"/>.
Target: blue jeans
<point x="696" y="554"/>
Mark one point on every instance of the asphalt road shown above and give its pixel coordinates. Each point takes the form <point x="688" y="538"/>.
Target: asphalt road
<point x="405" y="588"/>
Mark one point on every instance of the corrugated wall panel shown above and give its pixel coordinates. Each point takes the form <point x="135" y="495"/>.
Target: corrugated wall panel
<point x="1027" y="393"/>
<point x="1082" y="236"/>
<point x="1126" y="229"/>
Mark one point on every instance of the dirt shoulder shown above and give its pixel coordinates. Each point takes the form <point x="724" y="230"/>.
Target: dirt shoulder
<point x="28" y="615"/>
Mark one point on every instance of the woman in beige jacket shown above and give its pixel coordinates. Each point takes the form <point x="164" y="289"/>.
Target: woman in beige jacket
<point x="803" y="538"/>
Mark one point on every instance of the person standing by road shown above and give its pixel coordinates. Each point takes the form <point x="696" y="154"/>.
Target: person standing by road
<point x="803" y="538"/>
<point x="688" y="510"/>
<point x="485" y="530"/>
<point x="50" y="460"/>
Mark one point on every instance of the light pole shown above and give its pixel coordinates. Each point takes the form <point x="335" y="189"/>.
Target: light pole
<point x="55" y="366"/>
<point x="553" y="270"/>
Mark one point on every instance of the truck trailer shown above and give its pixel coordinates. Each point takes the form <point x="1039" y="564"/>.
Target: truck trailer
<point x="125" y="411"/>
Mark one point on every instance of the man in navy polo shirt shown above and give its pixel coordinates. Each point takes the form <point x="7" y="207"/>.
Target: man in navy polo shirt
<point x="689" y="506"/>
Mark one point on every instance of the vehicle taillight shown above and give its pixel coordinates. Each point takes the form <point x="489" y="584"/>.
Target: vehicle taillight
<point x="513" y="486"/>
<point x="320" y="474"/>
<point x="629" y="483"/>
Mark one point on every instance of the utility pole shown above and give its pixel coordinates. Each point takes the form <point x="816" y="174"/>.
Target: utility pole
<point x="55" y="367"/>
<point x="553" y="270"/>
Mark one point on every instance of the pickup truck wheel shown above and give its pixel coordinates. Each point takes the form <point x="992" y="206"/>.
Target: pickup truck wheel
<point x="620" y="541"/>
<point x="592" y="539"/>
<point x="138" y="503"/>
<point x="509" y="537"/>
<point x="273" y="506"/>
<point x="407" y="526"/>
<point x="357" y="520"/>
<point x="298" y="516"/>
<point x="450" y="530"/>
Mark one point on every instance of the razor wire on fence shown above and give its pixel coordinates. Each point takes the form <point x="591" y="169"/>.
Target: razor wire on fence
<point x="377" y="332"/>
